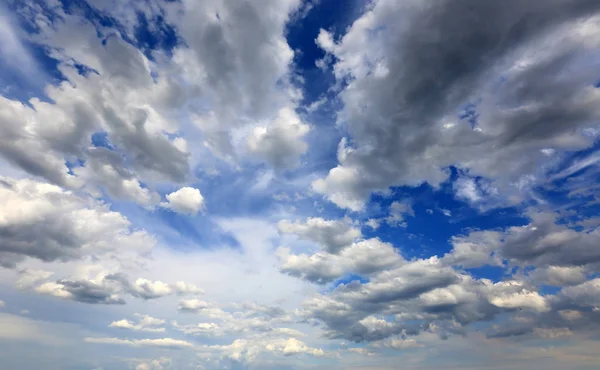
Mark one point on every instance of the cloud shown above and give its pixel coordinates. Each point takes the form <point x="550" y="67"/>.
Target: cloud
<point x="332" y="235"/>
<point x="363" y="257"/>
<point x="238" y="319"/>
<point x="183" y="288"/>
<point x="361" y="351"/>
<point x="148" y="289"/>
<point x="185" y="200"/>
<point x="43" y="221"/>
<point x="582" y="295"/>
<point x="248" y="350"/>
<point x="475" y="249"/>
<point x="28" y="278"/>
<point x="280" y="144"/>
<point x="105" y="287"/>
<point x="543" y="242"/>
<point x="145" y="323"/>
<point x="398" y="210"/>
<point x="106" y="169"/>
<point x="558" y="276"/>
<point x="426" y="296"/>
<point x="411" y="67"/>
<point x="486" y="104"/>
<point x="161" y="343"/>
<point x="156" y="364"/>
<point x="399" y="344"/>
<point x="120" y="98"/>
<point x="521" y="299"/>
<point x="85" y="291"/>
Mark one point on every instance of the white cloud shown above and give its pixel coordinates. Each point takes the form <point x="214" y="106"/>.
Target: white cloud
<point x="28" y="278"/>
<point x="185" y="200"/>
<point x="373" y="223"/>
<point x="398" y="211"/>
<point x="364" y="257"/>
<point x="49" y="223"/>
<point x="183" y="288"/>
<point x="147" y="289"/>
<point x="400" y="344"/>
<point x="162" y="342"/>
<point x="145" y="323"/>
<point x="248" y="350"/>
<point x="162" y="363"/>
<point x="523" y="299"/>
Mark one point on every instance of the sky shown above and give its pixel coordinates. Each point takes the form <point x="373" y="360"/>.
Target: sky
<point x="299" y="184"/>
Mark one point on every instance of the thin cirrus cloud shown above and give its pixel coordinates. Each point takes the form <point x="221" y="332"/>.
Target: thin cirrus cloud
<point x="299" y="184"/>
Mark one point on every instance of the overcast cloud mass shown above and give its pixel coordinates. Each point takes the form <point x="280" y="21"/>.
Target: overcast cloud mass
<point x="299" y="184"/>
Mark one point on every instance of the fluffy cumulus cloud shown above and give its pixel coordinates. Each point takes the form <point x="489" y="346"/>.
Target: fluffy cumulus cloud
<point x="331" y="235"/>
<point x="146" y="323"/>
<point x="43" y="221"/>
<point x="272" y="184"/>
<point x="280" y="144"/>
<point x="185" y="200"/>
<point x="364" y="257"/>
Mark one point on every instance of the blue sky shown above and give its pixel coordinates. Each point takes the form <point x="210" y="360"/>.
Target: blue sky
<point x="293" y="184"/>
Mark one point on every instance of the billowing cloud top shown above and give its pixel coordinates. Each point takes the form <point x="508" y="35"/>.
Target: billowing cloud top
<point x="303" y="184"/>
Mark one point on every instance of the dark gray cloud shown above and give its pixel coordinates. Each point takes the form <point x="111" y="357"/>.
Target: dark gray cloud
<point x="546" y="242"/>
<point x="89" y="292"/>
<point x="527" y="65"/>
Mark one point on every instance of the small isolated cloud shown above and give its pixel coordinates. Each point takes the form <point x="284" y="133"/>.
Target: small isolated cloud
<point x="373" y="223"/>
<point x="85" y="291"/>
<point x="149" y="289"/>
<point x="185" y="201"/>
<point x="145" y="323"/>
<point x="398" y="212"/>
<point x="161" y="343"/>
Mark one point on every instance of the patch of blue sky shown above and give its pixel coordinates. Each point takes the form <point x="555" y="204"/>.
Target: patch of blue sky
<point x="331" y="15"/>
<point x="259" y="193"/>
<point x="155" y="34"/>
<point x="100" y="139"/>
<point x="438" y="215"/>
<point x="72" y="164"/>
<point x="348" y="279"/>
<point x="493" y="273"/>
<point x="25" y="67"/>
<point x="469" y="113"/>
<point x="548" y="289"/>
<point x="177" y="231"/>
<point x="25" y="83"/>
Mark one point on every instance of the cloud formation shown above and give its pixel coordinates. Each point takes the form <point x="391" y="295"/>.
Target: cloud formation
<point x="373" y="181"/>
